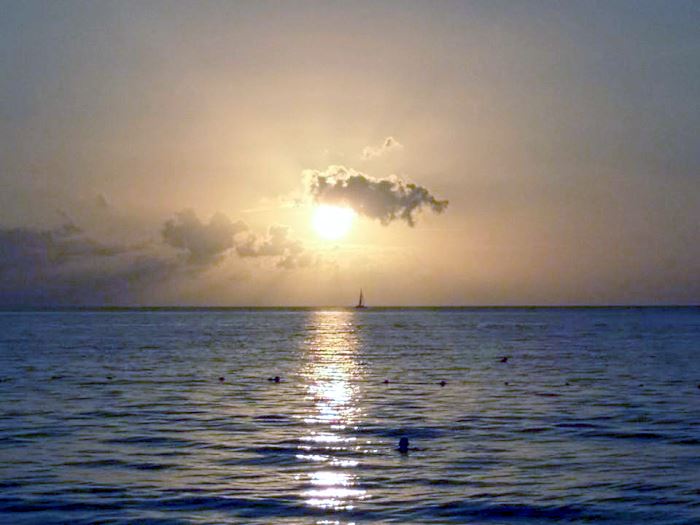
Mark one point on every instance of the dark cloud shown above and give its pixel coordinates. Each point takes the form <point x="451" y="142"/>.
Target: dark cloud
<point x="278" y="243"/>
<point x="386" y="200"/>
<point x="64" y="266"/>
<point x="389" y="144"/>
<point x="24" y="247"/>
<point x="205" y="243"/>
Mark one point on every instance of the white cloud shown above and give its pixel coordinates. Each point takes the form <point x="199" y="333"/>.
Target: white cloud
<point x="389" y="144"/>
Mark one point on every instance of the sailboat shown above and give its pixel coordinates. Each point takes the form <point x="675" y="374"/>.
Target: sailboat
<point x="361" y="302"/>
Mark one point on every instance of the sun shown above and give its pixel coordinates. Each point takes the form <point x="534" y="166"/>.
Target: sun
<point x="332" y="222"/>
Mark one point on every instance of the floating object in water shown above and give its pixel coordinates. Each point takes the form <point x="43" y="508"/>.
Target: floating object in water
<point x="222" y="379"/>
<point x="276" y="379"/>
<point x="504" y="359"/>
<point x="403" y="445"/>
<point x="386" y="381"/>
<point x="109" y="378"/>
<point x="443" y="382"/>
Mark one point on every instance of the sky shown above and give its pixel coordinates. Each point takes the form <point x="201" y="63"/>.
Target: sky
<point x="492" y="153"/>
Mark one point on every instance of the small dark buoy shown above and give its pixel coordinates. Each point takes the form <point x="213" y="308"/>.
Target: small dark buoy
<point x="443" y="382"/>
<point x="698" y="385"/>
<point x="276" y="379"/>
<point x="386" y="381"/>
<point x="109" y="378"/>
<point x="222" y="379"/>
<point x="505" y="383"/>
<point x="504" y="359"/>
<point x="403" y="445"/>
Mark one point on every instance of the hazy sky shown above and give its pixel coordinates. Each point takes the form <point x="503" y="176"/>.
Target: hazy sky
<point x="174" y="152"/>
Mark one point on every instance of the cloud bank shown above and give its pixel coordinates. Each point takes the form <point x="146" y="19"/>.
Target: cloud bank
<point x="66" y="266"/>
<point x="277" y="243"/>
<point x="386" y="200"/>
<point x="63" y="266"/>
<point x="204" y="243"/>
<point x="389" y="144"/>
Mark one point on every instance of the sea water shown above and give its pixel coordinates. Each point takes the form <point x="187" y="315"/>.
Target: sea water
<point x="171" y="416"/>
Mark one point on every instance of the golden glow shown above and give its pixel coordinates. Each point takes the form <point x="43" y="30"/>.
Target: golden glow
<point x="332" y="222"/>
<point x="333" y="377"/>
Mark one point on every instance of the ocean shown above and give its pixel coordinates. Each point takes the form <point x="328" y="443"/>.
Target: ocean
<point x="546" y="415"/>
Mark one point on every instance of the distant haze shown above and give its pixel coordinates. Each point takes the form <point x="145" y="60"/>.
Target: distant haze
<point x="160" y="152"/>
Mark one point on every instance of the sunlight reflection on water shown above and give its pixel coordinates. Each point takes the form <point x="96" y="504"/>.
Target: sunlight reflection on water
<point x="332" y="372"/>
<point x="122" y="416"/>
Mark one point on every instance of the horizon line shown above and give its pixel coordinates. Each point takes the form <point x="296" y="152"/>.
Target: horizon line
<point x="38" y="308"/>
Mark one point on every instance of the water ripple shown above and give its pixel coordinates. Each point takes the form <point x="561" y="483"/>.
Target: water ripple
<point x="120" y="417"/>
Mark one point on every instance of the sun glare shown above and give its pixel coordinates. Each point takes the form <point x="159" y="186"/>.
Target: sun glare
<point x="332" y="222"/>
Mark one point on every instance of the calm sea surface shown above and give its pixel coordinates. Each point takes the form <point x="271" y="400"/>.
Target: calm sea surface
<point x="121" y="416"/>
